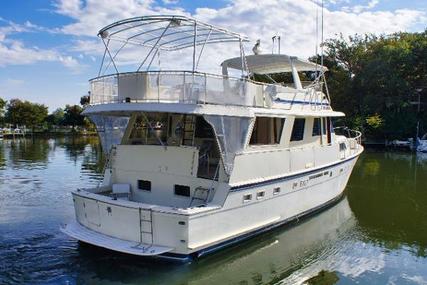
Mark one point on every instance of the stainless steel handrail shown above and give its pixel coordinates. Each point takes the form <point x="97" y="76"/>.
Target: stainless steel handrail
<point x="351" y="134"/>
<point x="108" y="86"/>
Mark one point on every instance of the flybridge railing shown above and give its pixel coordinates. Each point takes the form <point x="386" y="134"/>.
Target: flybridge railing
<point x="171" y="87"/>
<point x="191" y="88"/>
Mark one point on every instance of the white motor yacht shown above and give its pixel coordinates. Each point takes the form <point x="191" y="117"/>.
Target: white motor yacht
<point x="235" y="155"/>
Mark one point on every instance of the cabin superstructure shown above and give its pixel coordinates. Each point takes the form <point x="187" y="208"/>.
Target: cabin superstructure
<point x="197" y="160"/>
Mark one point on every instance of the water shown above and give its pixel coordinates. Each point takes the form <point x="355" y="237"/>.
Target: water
<point x="376" y="235"/>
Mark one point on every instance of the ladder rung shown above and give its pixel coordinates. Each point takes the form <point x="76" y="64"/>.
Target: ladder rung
<point x="197" y="198"/>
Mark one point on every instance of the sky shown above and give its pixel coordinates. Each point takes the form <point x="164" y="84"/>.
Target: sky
<point x="49" y="48"/>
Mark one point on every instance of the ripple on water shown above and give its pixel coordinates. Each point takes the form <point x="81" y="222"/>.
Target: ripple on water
<point x="359" y="240"/>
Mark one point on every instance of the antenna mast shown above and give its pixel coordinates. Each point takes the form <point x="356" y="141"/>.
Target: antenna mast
<point x="272" y="49"/>
<point x="321" y="42"/>
<point x="274" y="44"/>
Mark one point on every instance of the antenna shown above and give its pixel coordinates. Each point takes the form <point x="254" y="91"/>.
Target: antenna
<point x="317" y="33"/>
<point x="272" y="49"/>
<point x="274" y="43"/>
<point x="321" y="41"/>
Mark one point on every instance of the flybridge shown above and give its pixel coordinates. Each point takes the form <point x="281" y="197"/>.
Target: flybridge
<point x="189" y="86"/>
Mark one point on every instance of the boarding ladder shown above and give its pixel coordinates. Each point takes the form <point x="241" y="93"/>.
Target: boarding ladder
<point x="203" y="194"/>
<point x="146" y="226"/>
<point x="200" y="194"/>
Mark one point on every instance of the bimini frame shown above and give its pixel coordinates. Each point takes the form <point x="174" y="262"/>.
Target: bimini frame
<point x="166" y="33"/>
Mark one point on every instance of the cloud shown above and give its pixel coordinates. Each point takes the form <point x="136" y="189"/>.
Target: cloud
<point x="14" y="52"/>
<point x="14" y="82"/>
<point x="92" y="15"/>
<point x="293" y="20"/>
<point x="170" y="2"/>
<point x="360" y="8"/>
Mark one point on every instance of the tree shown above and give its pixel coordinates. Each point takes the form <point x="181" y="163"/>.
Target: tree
<point x="25" y="113"/>
<point x="56" y="118"/>
<point x="85" y="100"/>
<point x="2" y="110"/>
<point x="373" y="79"/>
<point x="72" y="116"/>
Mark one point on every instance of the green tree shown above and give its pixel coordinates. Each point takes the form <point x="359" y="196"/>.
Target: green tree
<point x="85" y="100"/>
<point x="2" y="110"/>
<point x="72" y="116"/>
<point x="378" y="75"/>
<point x="25" y="113"/>
<point x="56" y="117"/>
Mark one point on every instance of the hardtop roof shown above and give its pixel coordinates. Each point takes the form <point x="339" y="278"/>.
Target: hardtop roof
<point x="272" y="63"/>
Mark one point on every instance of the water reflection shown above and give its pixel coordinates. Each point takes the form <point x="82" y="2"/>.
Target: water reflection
<point x="2" y="156"/>
<point x="28" y="153"/>
<point x="389" y="200"/>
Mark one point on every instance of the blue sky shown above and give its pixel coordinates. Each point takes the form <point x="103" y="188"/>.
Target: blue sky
<point x="49" y="48"/>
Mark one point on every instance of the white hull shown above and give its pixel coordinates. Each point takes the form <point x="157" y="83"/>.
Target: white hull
<point x="171" y="234"/>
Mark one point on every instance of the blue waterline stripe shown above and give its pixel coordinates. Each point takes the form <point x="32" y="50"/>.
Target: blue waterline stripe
<point x="284" y="178"/>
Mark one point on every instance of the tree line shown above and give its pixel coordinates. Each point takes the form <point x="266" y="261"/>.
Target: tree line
<point x="34" y="116"/>
<point x="379" y="82"/>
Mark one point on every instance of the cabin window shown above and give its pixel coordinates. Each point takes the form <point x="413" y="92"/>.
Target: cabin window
<point x="203" y="129"/>
<point x="182" y="190"/>
<point x="260" y="195"/>
<point x="144" y="185"/>
<point x="247" y="198"/>
<point x="316" y="127"/>
<point x="298" y="130"/>
<point x="267" y="130"/>
<point x="149" y="129"/>
<point x="209" y="155"/>
<point x="276" y="191"/>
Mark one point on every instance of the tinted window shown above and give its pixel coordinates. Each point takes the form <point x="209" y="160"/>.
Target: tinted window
<point x="203" y="129"/>
<point x="267" y="130"/>
<point x="298" y="130"/>
<point x="144" y="185"/>
<point x="182" y="190"/>
<point x="316" y="127"/>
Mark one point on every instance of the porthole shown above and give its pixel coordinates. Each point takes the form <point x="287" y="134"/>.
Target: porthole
<point x="182" y="190"/>
<point x="247" y="198"/>
<point x="260" y="195"/>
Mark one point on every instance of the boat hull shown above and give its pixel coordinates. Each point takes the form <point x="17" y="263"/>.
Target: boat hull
<point x="183" y="236"/>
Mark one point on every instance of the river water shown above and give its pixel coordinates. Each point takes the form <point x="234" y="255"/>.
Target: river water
<point x="377" y="234"/>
